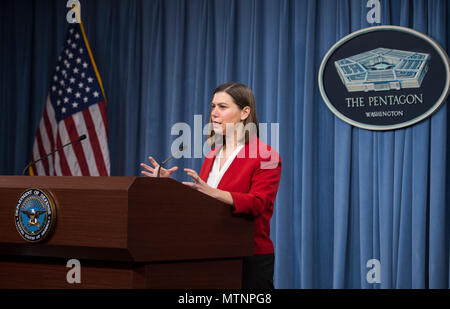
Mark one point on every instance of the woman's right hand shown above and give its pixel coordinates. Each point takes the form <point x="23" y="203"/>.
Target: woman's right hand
<point x="153" y="171"/>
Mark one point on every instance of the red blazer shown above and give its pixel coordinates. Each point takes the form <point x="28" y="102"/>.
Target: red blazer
<point x="253" y="182"/>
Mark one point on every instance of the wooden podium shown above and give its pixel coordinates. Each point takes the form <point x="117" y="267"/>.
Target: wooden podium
<point x="127" y="232"/>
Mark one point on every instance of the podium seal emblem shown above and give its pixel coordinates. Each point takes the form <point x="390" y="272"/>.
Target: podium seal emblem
<point x="35" y="215"/>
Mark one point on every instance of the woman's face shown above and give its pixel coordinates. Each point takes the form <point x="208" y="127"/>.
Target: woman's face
<point x="224" y="111"/>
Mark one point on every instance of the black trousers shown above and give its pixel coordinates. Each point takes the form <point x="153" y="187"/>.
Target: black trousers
<point x="257" y="272"/>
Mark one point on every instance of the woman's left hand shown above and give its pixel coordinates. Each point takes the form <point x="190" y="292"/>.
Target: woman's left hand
<point x="198" y="183"/>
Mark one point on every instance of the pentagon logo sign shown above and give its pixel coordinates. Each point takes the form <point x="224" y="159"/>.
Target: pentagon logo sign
<point x="35" y="215"/>
<point x="384" y="77"/>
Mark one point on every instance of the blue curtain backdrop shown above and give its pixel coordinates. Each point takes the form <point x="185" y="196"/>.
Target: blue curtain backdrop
<point x="346" y="196"/>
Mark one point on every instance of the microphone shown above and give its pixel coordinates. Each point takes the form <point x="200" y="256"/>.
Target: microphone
<point x="181" y="148"/>
<point x="79" y="139"/>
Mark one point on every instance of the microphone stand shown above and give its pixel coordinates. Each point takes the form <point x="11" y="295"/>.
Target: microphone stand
<point x="167" y="160"/>
<point x="82" y="137"/>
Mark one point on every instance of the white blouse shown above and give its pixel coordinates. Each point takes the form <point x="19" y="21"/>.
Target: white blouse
<point x="215" y="175"/>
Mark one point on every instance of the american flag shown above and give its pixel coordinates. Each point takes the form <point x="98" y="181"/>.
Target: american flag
<point x="75" y="106"/>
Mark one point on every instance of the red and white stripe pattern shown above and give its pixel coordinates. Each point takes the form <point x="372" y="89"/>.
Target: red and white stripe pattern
<point x="75" y="106"/>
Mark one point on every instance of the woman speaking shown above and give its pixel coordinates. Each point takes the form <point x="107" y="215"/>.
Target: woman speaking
<point x="240" y="171"/>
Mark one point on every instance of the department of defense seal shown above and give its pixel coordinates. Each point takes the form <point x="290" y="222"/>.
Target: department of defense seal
<point x="35" y="215"/>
